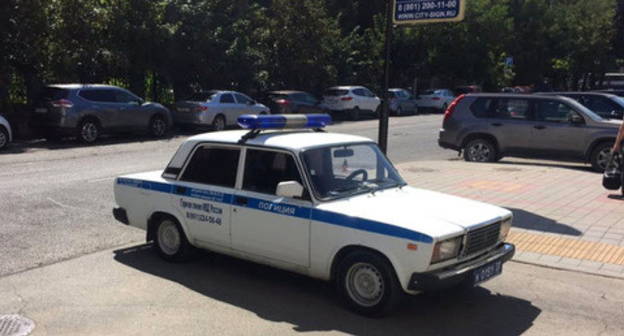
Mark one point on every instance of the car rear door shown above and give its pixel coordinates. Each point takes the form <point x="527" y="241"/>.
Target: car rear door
<point x="508" y="120"/>
<point x="203" y="194"/>
<point x="267" y="225"/>
<point x="553" y="132"/>
<point x="103" y="105"/>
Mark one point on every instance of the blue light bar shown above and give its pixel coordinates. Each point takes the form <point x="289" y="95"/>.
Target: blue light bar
<point x="279" y="121"/>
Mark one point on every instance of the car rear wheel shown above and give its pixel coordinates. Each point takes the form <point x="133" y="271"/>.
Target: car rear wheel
<point x="88" y="131"/>
<point x="355" y="113"/>
<point x="158" y="127"/>
<point x="600" y="156"/>
<point x="4" y="137"/>
<point x="367" y="284"/>
<point x="218" y="124"/>
<point x="171" y="241"/>
<point x="480" y="150"/>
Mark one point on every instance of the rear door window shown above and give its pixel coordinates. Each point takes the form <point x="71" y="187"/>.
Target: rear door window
<point x="359" y="92"/>
<point x="335" y="92"/>
<point x="227" y="99"/>
<point x="213" y="165"/>
<point x="98" y="95"/>
<point x="517" y="109"/>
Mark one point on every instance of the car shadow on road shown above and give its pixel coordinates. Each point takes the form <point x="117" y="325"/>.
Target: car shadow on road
<point x="523" y="219"/>
<point x="311" y="305"/>
<point x="506" y="163"/>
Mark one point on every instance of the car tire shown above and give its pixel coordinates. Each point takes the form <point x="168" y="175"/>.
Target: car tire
<point x="480" y="150"/>
<point x="88" y="131"/>
<point x="367" y="284"/>
<point x="170" y="240"/>
<point x="218" y="124"/>
<point x="444" y="107"/>
<point x="600" y="156"/>
<point x="355" y="114"/>
<point x="4" y="137"/>
<point x="158" y="127"/>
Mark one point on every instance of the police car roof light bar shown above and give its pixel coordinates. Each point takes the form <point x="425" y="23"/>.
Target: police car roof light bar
<point x="266" y="122"/>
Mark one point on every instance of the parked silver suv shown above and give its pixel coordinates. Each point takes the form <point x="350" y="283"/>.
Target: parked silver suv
<point x="87" y="111"/>
<point x="486" y="127"/>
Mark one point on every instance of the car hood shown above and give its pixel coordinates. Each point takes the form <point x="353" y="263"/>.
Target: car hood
<point x="429" y="213"/>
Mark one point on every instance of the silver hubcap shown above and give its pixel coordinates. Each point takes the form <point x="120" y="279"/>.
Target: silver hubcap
<point x="364" y="284"/>
<point x="219" y="124"/>
<point x="479" y="152"/>
<point x="168" y="237"/>
<point x="159" y="128"/>
<point x="603" y="158"/>
<point x="89" y="132"/>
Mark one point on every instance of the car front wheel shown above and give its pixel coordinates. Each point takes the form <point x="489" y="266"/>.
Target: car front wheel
<point x="480" y="150"/>
<point x="367" y="284"/>
<point x="4" y="137"/>
<point x="158" y="127"/>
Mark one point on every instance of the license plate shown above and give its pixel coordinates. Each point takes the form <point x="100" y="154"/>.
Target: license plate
<point x="487" y="272"/>
<point x="41" y="110"/>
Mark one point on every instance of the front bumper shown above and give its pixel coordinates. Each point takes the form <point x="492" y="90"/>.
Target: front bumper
<point x="459" y="273"/>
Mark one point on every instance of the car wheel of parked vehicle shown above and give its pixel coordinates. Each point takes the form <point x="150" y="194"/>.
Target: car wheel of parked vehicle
<point x="600" y="156"/>
<point x="355" y="113"/>
<point x="171" y="241"/>
<point x="88" y="131"/>
<point x="480" y="150"/>
<point x="4" y="137"/>
<point x="368" y="284"/>
<point x="218" y="124"/>
<point x="444" y="107"/>
<point x="158" y="126"/>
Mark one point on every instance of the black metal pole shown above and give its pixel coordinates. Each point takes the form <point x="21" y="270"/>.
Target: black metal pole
<point x="384" y="115"/>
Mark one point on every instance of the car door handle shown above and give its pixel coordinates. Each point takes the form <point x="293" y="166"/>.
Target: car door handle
<point x="539" y="127"/>
<point x="497" y="124"/>
<point x="241" y="200"/>
<point x="180" y="190"/>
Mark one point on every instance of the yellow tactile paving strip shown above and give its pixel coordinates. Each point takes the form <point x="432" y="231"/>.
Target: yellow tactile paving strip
<point x="567" y="247"/>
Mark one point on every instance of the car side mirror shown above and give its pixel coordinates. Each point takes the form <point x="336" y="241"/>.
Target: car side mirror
<point x="617" y="114"/>
<point x="292" y="189"/>
<point x="576" y="119"/>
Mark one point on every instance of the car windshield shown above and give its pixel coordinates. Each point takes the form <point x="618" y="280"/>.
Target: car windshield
<point x="346" y="170"/>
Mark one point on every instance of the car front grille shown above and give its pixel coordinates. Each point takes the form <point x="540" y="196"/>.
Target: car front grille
<point x="481" y="239"/>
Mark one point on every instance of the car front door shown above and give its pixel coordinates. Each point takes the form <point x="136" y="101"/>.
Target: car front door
<point x="228" y="107"/>
<point x="267" y="225"/>
<point x="204" y="192"/>
<point x="245" y="105"/>
<point x="131" y="115"/>
<point x="554" y="133"/>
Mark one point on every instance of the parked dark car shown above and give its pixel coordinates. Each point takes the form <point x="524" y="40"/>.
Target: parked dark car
<point x="90" y="110"/>
<point x="486" y="127"/>
<point x="402" y="102"/>
<point x="605" y="105"/>
<point x="293" y="102"/>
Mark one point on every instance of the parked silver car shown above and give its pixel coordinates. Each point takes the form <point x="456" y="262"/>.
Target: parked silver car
<point x="216" y="109"/>
<point x="401" y="102"/>
<point x="486" y="127"/>
<point x="6" y="135"/>
<point x="89" y="110"/>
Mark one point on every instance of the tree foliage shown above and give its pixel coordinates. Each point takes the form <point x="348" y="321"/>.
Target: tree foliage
<point x="164" y="49"/>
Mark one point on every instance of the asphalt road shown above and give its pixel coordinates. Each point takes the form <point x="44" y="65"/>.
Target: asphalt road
<point x="66" y="261"/>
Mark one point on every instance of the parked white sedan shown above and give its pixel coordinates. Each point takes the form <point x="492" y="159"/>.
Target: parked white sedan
<point x="435" y="99"/>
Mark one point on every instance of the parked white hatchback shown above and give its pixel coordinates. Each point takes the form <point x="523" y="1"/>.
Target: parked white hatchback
<point x="351" y="101"/>
<point x="435" y="99"/>
<point x="330" y="206"/>
<point x="6" y="135"/>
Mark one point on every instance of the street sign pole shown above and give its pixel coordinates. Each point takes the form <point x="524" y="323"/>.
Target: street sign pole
<point x="385" y="113"/>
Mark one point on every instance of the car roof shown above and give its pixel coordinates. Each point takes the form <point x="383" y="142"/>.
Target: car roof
<point x="82" y="86"/>
<point x="285" y="92"/>
<point x="345" y="87"/>
<point x="579" y="93"/>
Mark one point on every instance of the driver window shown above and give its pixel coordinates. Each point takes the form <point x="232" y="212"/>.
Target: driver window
<point x="264" y="170"/>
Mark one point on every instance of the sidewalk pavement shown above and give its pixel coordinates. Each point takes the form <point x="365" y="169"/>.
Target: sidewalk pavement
<point x="563" y="217"/>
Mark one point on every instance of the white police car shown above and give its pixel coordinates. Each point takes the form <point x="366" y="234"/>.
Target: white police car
<point x="330" y="206"/>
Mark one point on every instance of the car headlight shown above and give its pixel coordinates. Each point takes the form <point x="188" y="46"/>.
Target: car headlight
<point x="446" y="249"/>
<point x="504" y="230"/>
